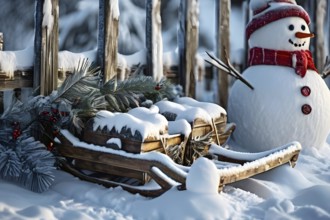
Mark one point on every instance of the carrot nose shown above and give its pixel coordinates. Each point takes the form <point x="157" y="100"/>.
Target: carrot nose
<point x="304" y="35"/>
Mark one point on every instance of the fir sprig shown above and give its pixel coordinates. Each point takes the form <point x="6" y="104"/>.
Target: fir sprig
<point x="28" y="163"/>
<point x="83" y="84"/>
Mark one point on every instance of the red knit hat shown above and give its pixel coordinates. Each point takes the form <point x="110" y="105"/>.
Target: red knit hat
<point x="266" y="11"/>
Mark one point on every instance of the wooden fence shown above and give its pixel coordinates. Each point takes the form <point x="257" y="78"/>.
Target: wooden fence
<point x="44" y="70"/>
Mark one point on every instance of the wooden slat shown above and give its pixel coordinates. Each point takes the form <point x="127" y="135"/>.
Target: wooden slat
<point x="154" y="42"/>
<point x="114" y="170"/>
<point x="321" y="7"/>
<point x="46" y="48"/>
<point x="187" y="44"/>
<point x="223" y="46"/>
<point x="130" y="145"/>
<point x="247" y="10"/>
<point x="21" y="79"/>
<point x="111" y="183"/>
<point x="246" y="173"/>
<point x="108" y="38"/>
<point x="1" y="41"/>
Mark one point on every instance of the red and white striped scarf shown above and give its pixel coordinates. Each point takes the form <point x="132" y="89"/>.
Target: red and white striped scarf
<point x="300" y="60"/>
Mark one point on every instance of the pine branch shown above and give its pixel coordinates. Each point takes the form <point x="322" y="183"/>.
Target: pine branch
<point x="10" y="165"/>
<point x="37" y="165"/>
<point x="134" y="91"/>
<point x="83" y="81"/>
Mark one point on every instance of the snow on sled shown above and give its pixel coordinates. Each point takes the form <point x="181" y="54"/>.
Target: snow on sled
<point x="149" y="151"/>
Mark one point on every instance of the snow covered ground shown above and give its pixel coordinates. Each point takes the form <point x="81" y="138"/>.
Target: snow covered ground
<point x="302" y="192"/>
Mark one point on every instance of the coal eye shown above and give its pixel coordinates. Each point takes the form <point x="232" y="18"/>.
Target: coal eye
<point x="303" y="27"/>
<point x="291" y="27"/>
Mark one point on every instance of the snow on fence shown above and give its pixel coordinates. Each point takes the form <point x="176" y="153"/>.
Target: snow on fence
<point x="42" y="66"/>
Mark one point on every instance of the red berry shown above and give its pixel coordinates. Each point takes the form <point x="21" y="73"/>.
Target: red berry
<point x="64" y="114"/>
<point x="45" y="113"/>
<point x="55" y="111"/>
<point x="50" y="146"/>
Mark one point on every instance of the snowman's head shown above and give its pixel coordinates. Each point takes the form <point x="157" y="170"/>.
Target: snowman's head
<point x="279" y="25"/>
<point x="291" y="33"/>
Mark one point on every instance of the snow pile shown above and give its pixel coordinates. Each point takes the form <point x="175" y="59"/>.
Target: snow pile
<point x="114" y="141"/>
<point x="8" y="63"/>
<point x="214" y="110"/>
<point x="180" y="126"/>
<point x="215" y="149"/>
<point x="203" y="177"/>
<point x="68" y="61"/>
<point x="147" y="123"/>
<point x="183" y="112"/>
<point x="48" y="19"/>
<point x="16" y="60"/>
<point x="152" y="116"/>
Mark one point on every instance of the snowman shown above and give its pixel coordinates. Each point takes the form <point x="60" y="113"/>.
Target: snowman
<point x="290" y="101"/>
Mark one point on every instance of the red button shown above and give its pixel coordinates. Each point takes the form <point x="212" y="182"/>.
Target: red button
<point x="306" y="109"/>
<point x="305" y="91"/>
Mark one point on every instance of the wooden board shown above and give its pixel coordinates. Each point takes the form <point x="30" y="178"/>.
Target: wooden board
<point x="22" y="78"/>
<point x="142" y="177"/>
<point x="131" y="145"/>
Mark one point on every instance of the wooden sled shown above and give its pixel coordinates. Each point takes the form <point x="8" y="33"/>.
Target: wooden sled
<point x="153" y="173"/>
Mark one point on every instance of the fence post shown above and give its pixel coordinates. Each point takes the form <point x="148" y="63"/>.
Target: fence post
<point x="154" y="42"/>
<point x="246" y="7"/>
<point x="46" y="46"/>
<point x="321" y="9"/>
<point x="108" y="38"/>
<point x="311" y="7"/>
<point x="1" y="92"/>
<point x="327" y="25"/>
<point x="223" y="47"/>
<point x="188" y="43"/>
<point x="1" y="41"/>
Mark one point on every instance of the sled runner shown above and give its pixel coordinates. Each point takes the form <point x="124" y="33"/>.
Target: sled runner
<point x="153" y="173"/>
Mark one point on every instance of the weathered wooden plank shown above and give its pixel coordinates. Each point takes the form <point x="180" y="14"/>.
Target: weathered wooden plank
<point x="46" y="46"/>
<point x="321" y="9"/>
<point x="130" y="145"/>
<point x="223" y="47"/>
<point x="21" y="79"/>
<point x="114" y="170"/>
<point x="246" y="43"/>
<point x="154" y="42"/>
<point x="111" y="183"/>
<point x="311" y="7"/>
<point x="187" y="44"/>
<point x="328" y="25"/>
<point x="108" y="38"/>
<point x="1" y="41"/>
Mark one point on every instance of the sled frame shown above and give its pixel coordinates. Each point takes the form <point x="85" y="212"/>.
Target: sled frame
<point x="164" y="175"/>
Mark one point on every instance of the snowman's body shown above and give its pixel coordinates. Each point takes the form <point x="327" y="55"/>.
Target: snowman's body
<point x="271" y="115"/>
<point x="277" y="111"/>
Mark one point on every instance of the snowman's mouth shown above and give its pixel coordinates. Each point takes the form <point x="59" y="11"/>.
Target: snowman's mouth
<point x="296" y="44"/>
